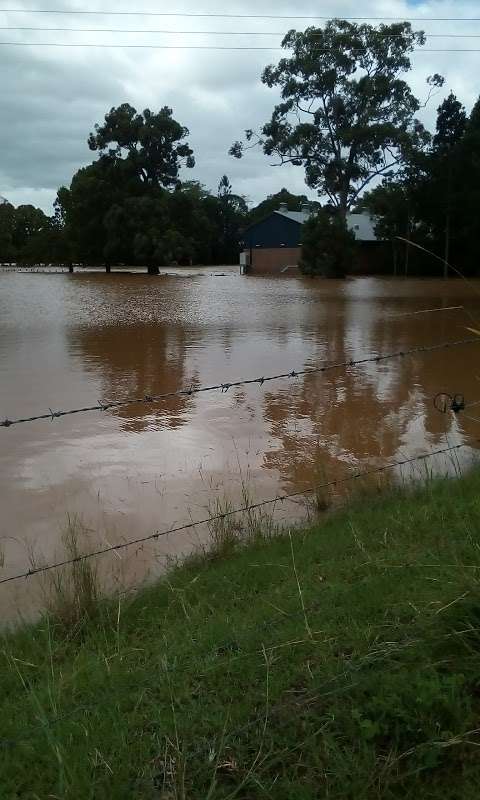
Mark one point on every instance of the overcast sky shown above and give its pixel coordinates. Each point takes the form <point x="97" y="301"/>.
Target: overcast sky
<point x="51" y="97"/>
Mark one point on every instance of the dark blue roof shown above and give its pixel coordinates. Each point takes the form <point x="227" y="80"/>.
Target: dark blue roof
<point x="276" y="230"/>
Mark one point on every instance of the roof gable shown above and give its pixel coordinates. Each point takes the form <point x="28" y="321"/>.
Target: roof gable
<point x="295" y="216"/>
<point x="361" y="224"/>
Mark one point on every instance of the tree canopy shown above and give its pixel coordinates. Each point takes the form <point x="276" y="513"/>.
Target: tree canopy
<point x="130" y="206"/>
<point x="327" y="246"/>
<point x="433" y="199"/>
<point x="293" y="202"/>
<point x="30" y="236"/>
<point x="152" y="144"/>
<point x="346" y="115"/>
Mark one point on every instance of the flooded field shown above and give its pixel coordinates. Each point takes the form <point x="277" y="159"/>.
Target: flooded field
<point x="75" y="340"/>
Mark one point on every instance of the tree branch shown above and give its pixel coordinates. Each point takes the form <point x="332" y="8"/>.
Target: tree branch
<point x="371" y="176"/>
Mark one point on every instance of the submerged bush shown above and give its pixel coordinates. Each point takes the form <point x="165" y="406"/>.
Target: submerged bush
<point x="327" y="246"/>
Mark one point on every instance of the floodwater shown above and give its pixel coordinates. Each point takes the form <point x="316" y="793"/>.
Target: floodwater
<point x="73" y="340"/>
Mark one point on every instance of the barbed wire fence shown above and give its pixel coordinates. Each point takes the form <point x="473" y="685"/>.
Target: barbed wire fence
<point x="281" y="498"/>
<point x="444" y="402"/>
<point x="224" y="387"/>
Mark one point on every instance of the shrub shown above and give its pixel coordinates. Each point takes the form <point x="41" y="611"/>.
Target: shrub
<point x="327" y="246"/>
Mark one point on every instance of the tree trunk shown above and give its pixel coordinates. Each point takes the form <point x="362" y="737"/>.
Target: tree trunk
<point x="343" y="210"/>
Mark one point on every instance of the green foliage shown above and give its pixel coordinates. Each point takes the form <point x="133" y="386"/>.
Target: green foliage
<point x="340" y="662"/>
<point x="7" y="226"/>
<point x="130" y="207"/>
<point x="293" y="201"/>
<point x="433" y="200"/>
<point x="328" y="247"/>
<point x="232" y="210"/>
<point x="152" y="144"/>
<point x="451" y="124"/>
<point x="28" y="236"/>
<point x="346" y="116"/>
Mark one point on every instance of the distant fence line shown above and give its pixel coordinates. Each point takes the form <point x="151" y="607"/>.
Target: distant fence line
<point x="224" y="387"/>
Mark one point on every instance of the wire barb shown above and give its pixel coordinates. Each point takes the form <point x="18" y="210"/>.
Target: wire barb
<point x="224" y="515"/>
<point x="224" y="387"/>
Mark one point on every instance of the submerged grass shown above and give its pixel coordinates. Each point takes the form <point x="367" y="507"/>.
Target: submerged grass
<point x="72" y="593"/>
<point x="341" y="661"/>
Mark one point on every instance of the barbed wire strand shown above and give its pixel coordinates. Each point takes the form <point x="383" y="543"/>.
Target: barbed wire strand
<point x="227" y="514"/>
<point x="268" y="622"/>
<point x="224" y="387"/>
<point x="425" y="311"/>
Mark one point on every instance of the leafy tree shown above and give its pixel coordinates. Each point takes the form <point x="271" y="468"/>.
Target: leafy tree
<point x="83" y="207"/>
<point x="391" y="205"/>
<point x="152" y="143"/>
<point x="466" y="199"/>
<point x="328" y="247"/>
<point x="441" y="181"/>
<point x="293" y="201"/>
<point x="346" y="116"/>
<point x="451" y="124"/>
<point x="46" y="246"/>
<point x="28" y="222"/>
<point x="424" y="201"/>
<point x="7" y="224"/>
<point x="232" y="211"/>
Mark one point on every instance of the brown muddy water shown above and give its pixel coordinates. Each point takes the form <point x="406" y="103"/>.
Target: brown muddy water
<point x="73" y="340"/>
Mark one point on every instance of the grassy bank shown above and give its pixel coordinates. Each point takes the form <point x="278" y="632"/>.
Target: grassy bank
<point x="339" y="662"/>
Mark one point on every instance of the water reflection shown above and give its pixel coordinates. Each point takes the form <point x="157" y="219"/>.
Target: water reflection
<point x="131" y="362"/>
<point x="67" y="341"/>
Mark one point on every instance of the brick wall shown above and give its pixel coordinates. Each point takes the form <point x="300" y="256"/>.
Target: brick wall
<point x="272" y="260"/>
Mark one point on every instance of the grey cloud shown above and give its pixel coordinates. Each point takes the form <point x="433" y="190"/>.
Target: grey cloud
<point x="51" y="98"/>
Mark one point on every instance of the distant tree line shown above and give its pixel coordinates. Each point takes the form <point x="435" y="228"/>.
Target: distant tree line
<point x="29" y="236"/>
<point x="129" y="206"/>
<point x="346" y="117"/>
<point x="434" y="199"/>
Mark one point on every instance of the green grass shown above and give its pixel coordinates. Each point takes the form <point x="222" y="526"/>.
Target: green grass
<point x="340" y="662"/>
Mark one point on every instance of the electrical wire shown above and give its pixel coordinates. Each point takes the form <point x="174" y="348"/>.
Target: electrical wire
<point x="216" y="33"/>
<point x="214" y="15"/>
<point x="205" y="47"/>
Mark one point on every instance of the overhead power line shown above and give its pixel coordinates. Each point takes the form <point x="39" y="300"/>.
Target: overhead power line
<point x="224" y="387"/>
<point x="213" y="15"/>
<point x="171" y="32"/>
<point x="207" y="47"/>
<point x="227" y="514"/>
